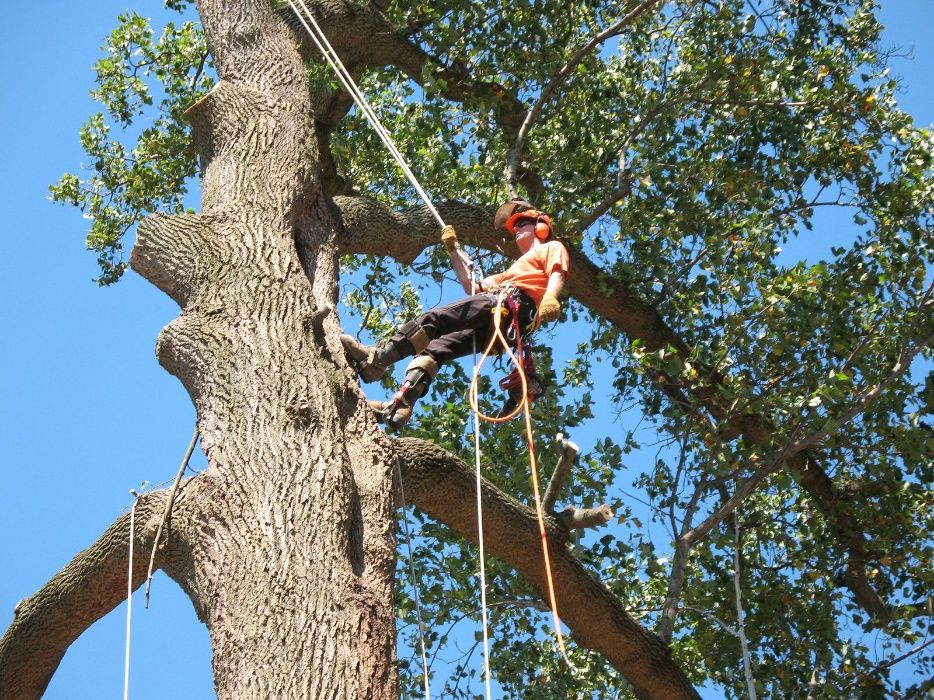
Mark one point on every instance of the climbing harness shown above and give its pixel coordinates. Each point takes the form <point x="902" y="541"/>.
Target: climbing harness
<point x="347" y="82"/>
<point x="512" y="382"/>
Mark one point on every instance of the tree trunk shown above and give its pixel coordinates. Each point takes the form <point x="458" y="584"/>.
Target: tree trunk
<point x="291" y="545"/>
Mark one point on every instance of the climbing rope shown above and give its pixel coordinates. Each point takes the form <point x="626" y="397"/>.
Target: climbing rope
<point x="347" y="82"/>
<point x="129" y="599"/>
<point x="479" y="489"/>
<point x="412" y="575"/>
<point x="524" y="405"/>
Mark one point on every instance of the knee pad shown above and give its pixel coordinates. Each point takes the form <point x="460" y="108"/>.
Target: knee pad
<point x="414" y="336"/>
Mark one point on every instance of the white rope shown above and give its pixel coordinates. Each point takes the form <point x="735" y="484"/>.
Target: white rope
<point x="476" y="450"/>
<point x="347" y="82"/>
<point x="129" y="600"/>
<point x="415" y="587"/>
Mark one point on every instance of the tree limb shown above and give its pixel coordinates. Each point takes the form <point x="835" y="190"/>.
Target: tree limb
<point x="557" y="80"/>
<point x="373" y="228"/>
<point x="444" y="487"/>
<point x="89" y="587"/>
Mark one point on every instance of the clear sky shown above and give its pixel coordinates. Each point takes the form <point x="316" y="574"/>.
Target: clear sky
<point x="86" y="412"/>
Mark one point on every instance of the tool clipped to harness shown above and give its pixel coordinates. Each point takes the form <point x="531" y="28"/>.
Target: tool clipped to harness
<point x="512" y="383"/>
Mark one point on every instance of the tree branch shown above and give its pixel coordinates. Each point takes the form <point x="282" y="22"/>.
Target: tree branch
<point x="776" y="459"/>
<point x="89" y="587"/>
<point x="373" y="228"/>
<point x="565" y="459"/>
<point x="444" y="487"/>
<point x="557" y="80"/>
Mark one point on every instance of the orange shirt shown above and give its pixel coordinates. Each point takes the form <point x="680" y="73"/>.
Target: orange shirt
<point x="530" y="273"/>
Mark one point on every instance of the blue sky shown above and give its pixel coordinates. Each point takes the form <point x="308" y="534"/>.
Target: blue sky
<point x="86" y="413"/>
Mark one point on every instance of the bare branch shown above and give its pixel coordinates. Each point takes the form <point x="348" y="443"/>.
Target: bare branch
<point x="168" y="509"/>
<point x="558" y="79"/>
<point x="566" y="458"/>
<point x="740" y="613"/>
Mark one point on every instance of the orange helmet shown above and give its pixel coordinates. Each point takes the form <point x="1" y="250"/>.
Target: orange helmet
<point x="543" y="227"/>
<point x="511" y="213"/>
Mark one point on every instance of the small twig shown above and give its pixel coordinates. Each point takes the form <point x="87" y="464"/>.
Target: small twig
<point x="568" y="452"/>
<point x="889" y="664"/>
<point x="198" y="72"/>
<point x="797" y="446"/>
<point x="620" y="193"/>
<point x="814" y="683"/>
<point x="713" y="618"/>
<point x="168" y="509"/>
<point x="740" y="613"/>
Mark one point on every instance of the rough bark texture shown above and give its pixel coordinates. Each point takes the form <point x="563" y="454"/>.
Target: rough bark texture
<point x="285" y="544"/>
<point x="290" y="537"/>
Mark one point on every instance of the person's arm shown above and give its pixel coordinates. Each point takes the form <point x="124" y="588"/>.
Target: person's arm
<point x="555" y="283"/>
<point x="461" y="262"/>
<point x="550" y="308"/>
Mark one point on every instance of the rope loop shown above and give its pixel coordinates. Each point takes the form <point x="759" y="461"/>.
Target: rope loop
<point x="525" y="407"/>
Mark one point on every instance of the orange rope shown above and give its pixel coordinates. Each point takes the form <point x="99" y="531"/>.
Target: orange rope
<point x="524" y="405"/>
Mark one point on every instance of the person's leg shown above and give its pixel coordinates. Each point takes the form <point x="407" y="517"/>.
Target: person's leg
<point x="418" y="377"/>
<point x="415" y="336"/>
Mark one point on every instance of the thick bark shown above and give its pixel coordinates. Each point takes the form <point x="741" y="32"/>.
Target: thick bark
<point x="292" y="549"/>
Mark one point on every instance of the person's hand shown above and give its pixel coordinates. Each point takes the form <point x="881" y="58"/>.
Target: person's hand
<point x="549" y="309"/>
<point x="449" y="238"/>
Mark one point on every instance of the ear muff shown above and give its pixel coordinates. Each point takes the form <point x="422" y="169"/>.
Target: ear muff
<point x="543" y="228"/>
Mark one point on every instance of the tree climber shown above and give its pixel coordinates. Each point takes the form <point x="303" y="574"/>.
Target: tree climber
<point x="532" y="284"/>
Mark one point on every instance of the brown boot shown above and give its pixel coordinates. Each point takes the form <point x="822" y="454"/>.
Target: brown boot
<point x="367" y="360"/>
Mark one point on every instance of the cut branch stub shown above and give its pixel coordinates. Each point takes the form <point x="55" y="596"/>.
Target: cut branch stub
<point x="571" y="518"/>
<point x="175" y="252"/>
<point x="579" y="518"/>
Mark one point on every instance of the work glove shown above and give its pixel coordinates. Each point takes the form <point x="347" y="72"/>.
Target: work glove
<point x="549" y="309"/>
<point x="449" y="238"/>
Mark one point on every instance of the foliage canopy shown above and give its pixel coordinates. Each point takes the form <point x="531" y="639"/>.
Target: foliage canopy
<point x="742" y="168"/>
